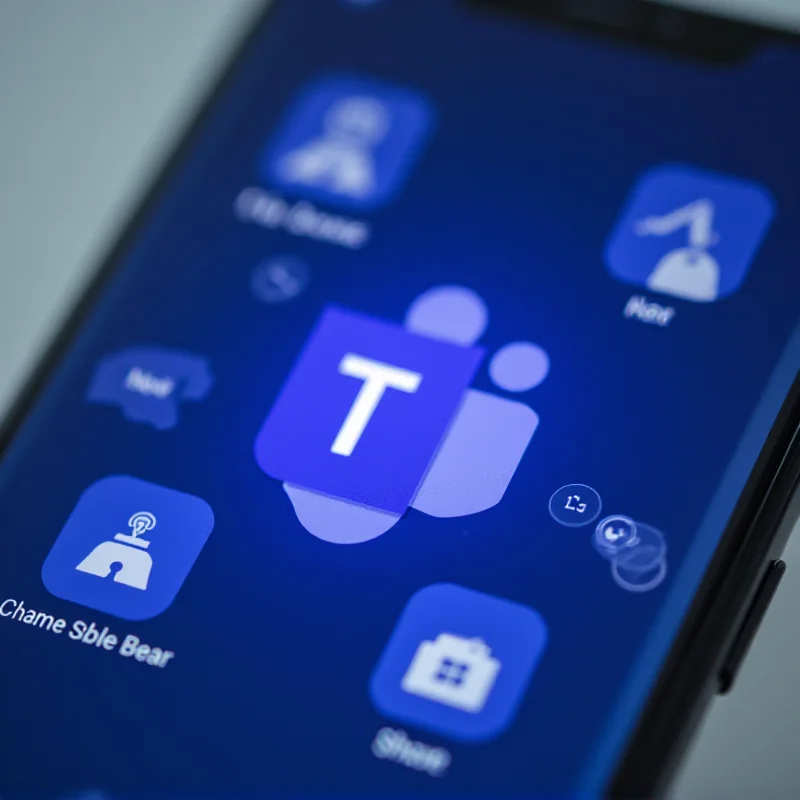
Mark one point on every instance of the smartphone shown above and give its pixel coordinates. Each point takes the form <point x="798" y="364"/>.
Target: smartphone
<point x="431" y="429"/>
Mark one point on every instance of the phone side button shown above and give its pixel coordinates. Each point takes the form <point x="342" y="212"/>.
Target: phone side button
<point x="752" y="622"/>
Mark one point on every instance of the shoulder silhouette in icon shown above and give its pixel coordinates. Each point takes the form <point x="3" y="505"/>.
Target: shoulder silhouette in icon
<point x="341" y="158"/>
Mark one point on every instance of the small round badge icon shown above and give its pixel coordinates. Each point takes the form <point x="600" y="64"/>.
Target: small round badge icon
<point x="637" y="552"/>
<point x="574" y="505"/>
<point x="614" y="534"/>
<point x="279" y="279"/>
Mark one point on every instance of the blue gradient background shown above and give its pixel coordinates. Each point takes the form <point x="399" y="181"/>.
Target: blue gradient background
<point x="540" y="136"/>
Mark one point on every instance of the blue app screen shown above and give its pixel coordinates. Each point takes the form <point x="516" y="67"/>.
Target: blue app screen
<point x="470" y="330"/>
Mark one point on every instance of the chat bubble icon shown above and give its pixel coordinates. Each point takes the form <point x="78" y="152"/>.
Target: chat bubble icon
<point x="149" y="384"/>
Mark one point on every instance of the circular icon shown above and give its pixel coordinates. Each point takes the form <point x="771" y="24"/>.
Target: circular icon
<point x="637" y="580"/>
<point x="519" y="366"/>
<point x="574" y="505"/>
<point x="615" y="534"/>
<point x="643" y="554"/>
<point x="279" y="279"/>
<point x="452" y="313"/>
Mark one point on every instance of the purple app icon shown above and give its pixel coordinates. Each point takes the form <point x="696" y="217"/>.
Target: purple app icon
<point x="376" y="418"/>
<point x="364" y="410"/>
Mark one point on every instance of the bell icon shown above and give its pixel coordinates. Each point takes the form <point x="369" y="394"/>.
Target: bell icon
<point x="127" y="550"/>
<point x="688" y="272"/>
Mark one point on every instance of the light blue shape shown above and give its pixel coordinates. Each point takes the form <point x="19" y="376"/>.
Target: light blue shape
<point x="478" y="457"/>
<point x="519" y="366"/>
<point x="338" y="521"/>
<point x="450" y="313"/>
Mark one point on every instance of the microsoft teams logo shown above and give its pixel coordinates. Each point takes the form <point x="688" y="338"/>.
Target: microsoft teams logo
<point x="377" y="417"/>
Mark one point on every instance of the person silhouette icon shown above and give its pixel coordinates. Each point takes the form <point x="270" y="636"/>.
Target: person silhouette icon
<point x="490" y="433"/>
<point x="483" y="446"/>
<point x="341" y="160"/>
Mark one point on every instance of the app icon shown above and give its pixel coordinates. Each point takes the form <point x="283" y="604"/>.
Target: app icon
<point x="615" y="533"/>
<point x="348" y="141"/>
<point x="150" y="383"/>
<point x="376" y="417"/>
<point x="690" y="233"/>
<point x="637" y="552"/>
<point x="459" y="662"/>
<point x="127" y="547"/>
<point x="574" y="505"/>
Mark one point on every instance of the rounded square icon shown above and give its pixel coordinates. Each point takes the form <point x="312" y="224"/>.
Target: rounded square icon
<point x="127" y="547"/>
<point x="690" y="233"/>
<point x="459" y="662"/>
<point x="347" y="141"/>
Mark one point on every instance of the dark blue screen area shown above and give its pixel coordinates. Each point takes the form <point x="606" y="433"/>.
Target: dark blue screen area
<point x="537" y="138"/>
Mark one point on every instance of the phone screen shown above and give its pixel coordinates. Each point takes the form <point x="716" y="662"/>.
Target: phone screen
<point x="392" y="451"/>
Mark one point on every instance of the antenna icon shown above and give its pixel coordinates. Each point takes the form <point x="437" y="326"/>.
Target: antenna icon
<point x="141" y="522"/>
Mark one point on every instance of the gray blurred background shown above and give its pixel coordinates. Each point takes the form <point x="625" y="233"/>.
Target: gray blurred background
<point x="92" y="95"/>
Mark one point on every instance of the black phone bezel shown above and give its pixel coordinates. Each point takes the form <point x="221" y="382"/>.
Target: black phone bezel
<point x="757" y="531"/>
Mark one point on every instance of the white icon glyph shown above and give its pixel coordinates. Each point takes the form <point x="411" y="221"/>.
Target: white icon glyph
<point x="127" y="550"/>
<point x="341" y="159"/>
<point x="454" y="671"/>
<point x="689" y="272"/>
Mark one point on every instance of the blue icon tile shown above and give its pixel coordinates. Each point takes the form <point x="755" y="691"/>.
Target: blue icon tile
<point x="127" y="547"/>
<point x="349" y="142"/>
<point x="149" y="384"/>
<point x="459" y="662"/>
<point x="690" y="233"/>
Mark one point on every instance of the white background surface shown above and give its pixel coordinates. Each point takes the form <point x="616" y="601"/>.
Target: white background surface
<point x="92" y="93"/>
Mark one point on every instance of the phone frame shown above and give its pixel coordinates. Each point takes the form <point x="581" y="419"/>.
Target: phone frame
<point x="753" y="540"/>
